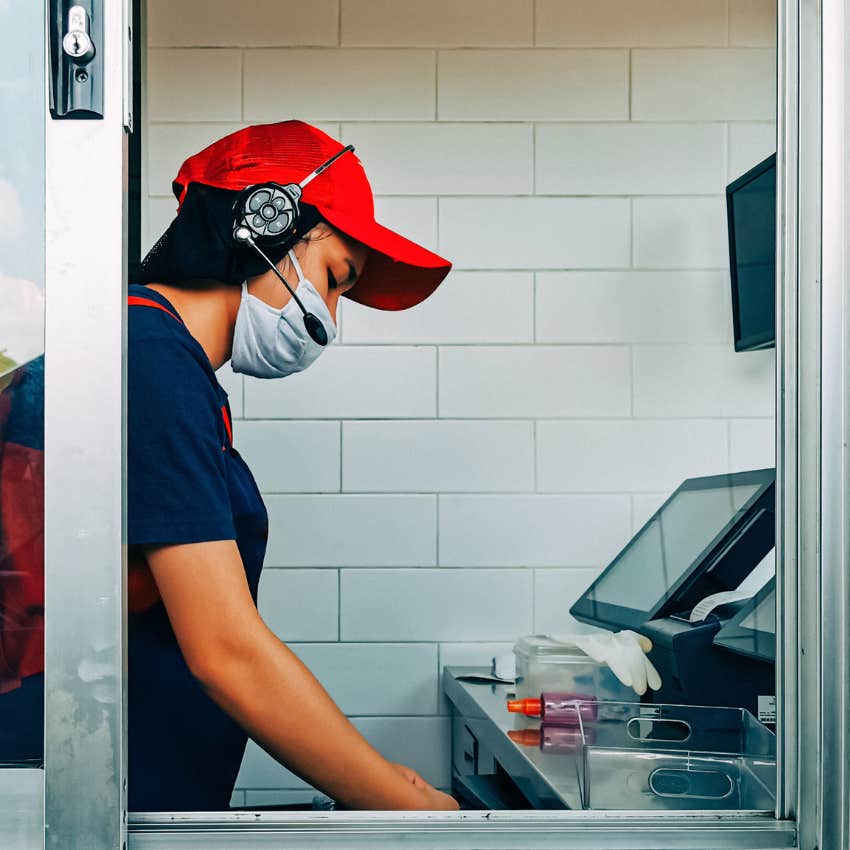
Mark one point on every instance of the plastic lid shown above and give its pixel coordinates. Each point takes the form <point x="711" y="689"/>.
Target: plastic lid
<point x="540" y="646"/>
<point x="531" y="706"/>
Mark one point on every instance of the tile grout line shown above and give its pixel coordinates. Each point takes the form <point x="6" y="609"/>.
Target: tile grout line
<point x="534" y="599"/>
<point x="536" y="458"/>
<point x="437" y="564"/>
<point x="436" y="86"/>
<point x="339" y="605"/>
<point x="728" y="23"/>
<point x="534" y="158"/>
<point x="729" y="443"/>
<point x="242" y="86"/>
<point x="437" y="382"/>
<point x="340" y="455"/>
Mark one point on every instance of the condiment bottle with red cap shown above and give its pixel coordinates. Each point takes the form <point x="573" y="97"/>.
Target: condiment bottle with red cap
<point x="557" y="708"/>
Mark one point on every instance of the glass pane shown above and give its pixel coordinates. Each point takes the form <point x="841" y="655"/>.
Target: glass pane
<point x="22" y="385"/>
<point x="450" y="479"/>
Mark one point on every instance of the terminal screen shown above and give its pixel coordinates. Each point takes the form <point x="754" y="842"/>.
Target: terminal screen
<point x="763" y="617"/>
<point x="668" y="545"/>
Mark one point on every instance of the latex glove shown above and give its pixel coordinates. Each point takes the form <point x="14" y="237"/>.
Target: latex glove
<point x="624" y="652"/>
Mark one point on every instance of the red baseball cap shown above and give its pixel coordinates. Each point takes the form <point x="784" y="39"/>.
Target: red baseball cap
<point x="398" y="273"/>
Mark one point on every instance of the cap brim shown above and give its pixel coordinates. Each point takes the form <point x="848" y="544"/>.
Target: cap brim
<point x="398" y="273"/>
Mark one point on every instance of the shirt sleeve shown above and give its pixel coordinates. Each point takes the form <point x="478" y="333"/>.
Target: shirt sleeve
<point x="176" y="476"/>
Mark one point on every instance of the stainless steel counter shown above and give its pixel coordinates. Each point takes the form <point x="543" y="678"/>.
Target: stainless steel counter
<point x="489" y="769"/>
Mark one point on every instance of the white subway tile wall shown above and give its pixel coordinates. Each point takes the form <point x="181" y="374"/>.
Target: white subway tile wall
<point x="448" y="478"/>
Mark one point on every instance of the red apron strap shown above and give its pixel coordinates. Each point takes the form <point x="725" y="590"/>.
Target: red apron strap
<point x="138" y="301"/>
<point x="227" y="425"/>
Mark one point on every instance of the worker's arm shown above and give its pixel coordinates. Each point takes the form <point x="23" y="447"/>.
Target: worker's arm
<point x="265" y="688"/>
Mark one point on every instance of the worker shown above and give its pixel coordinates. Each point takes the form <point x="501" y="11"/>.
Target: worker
<point x="274" y="224"/>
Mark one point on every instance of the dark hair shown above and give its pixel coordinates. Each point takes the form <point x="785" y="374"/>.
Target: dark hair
<point x="198" y="244"/>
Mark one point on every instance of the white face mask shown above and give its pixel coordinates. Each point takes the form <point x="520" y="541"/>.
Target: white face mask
<point x="272" y="343"/>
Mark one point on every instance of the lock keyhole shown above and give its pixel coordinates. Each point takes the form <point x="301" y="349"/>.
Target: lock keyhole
<point x="77" y="42"/>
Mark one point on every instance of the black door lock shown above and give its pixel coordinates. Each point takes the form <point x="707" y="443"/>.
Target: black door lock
<point x="76" y="65"/>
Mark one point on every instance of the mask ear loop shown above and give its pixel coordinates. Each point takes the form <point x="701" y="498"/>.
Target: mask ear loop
<point x="291" y="254"/>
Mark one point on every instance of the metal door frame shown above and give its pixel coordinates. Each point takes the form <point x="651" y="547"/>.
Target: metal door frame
<point x="79" y="799"/>
<point x="86" y="296"/>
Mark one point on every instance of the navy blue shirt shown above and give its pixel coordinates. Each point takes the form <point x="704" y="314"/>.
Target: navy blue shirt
<point x="185" y="484"/>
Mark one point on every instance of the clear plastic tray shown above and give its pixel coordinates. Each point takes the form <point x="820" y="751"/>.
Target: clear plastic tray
<point x="662" y="757"/>
<point x="542" y="665"/>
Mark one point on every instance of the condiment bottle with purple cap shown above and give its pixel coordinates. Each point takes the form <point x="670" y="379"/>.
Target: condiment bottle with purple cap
<point x="557" y="708"/>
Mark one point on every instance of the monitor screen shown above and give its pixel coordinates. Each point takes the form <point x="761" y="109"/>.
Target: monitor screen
<point x="672" y="540"/>
<point x="752" y="632"/>
<point x="751" y="211"/>
<point x="705" y="538"/>
<point x="763" y="617"/>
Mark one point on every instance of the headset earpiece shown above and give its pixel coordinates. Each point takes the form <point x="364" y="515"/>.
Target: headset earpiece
<point x="267" y="215"/>
<point x="269" y="211"/>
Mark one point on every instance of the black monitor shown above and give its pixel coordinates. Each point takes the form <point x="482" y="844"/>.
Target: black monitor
<point x="706" y="538"/>
<point x="752" y="631"/>
<point x="751" y="219"/>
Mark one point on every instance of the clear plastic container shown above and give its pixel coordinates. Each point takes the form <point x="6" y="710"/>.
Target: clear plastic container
<point x="662" y="757"/>
<point x="543" y="665"/>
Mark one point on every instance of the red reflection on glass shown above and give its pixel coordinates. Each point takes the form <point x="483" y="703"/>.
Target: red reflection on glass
<point x="21" y="525"/>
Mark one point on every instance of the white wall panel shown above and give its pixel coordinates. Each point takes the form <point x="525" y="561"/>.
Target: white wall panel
<point x="344" y="85"/>
<point x="704" y="85"/>
<point x="633" y="306"/>
<point x="532" y="531"/>
<point x="435" y="605"/>
<point x="194" y="85"/>
<point x="441" y="23"/>
<point x="513" y="381"/>
<point x="501" y="441"/>
<point x="258" y="23"/>
<point x="446" y="456"/>
<point x="351" y="531"/>
<point x="625" y="23"/>
<point x="629" y="159"/>
<point x="533" y="85"/>
<point x="632" y="455"/>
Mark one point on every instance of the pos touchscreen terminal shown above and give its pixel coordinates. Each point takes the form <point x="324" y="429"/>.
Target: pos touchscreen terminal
<point x="705" y="539"/>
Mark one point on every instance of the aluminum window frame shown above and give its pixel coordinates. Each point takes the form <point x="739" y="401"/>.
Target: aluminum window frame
<point x="84" y="452"/>
<point x="803" y="520"/>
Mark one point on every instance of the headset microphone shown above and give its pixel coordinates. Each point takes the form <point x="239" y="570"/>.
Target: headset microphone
<point x="268" y="215"/>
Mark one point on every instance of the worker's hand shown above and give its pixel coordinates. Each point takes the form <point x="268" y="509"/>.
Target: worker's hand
<point x="624" y="652"/>
<point x="432" y="799"/>
<point x="410" y="775"/>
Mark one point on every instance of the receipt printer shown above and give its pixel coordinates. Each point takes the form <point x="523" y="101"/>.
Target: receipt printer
<point x="695" y="671"/>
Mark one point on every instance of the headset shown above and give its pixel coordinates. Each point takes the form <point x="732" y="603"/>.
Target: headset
<point x="267" y="215"/>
